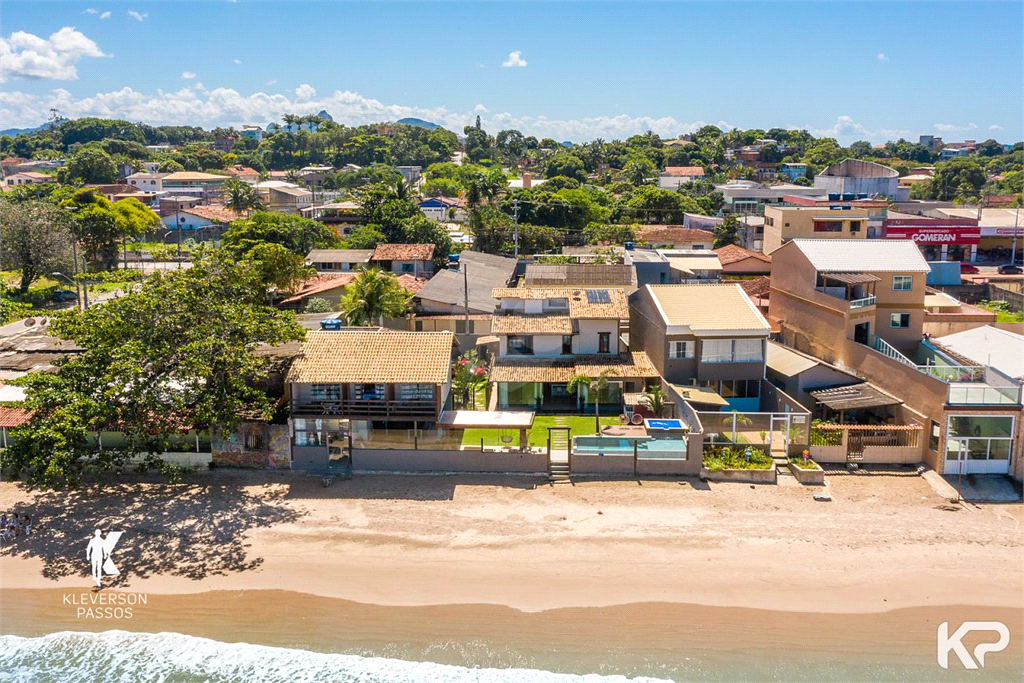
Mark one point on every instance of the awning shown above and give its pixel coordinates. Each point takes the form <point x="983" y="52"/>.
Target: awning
<point x="488" y="339"/>
<point x="853" y="397"/>
<point x="851" y="278"/>
<point x="487" y="419"/>
<point x="699" y="395"/>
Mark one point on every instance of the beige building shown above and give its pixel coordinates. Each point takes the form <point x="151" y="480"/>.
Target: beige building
<point x="785" y="223"/>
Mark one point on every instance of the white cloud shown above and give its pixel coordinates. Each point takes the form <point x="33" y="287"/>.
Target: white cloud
<point x="237" y="61"/>
<point x="105" y="15"/>
<point x="91" y="10"/>
<point x="25" y="55"/>
<point x="953" y="128"/>
<point x="187" y="75"/>
<point x="480" y="109"/>
<point x="304" y="93"/>
<point x="137" y="16"/>
<point x="882" y="57"/>
<point x="995" y="127"/>
<point x="515" y="58"/>
<point x="272" y="81"/>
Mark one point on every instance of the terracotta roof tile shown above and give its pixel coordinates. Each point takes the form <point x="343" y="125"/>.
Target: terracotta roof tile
<point x="217" y="214"/>
<point x="410" y="283"/>
<point x="384" y="356"/>
<point x="672" y="234"/>
<point x="684" y="170"/>
<point x="14" y="417"/>
<point x="518" y="323"/>
<point x="318" y="284"/>
<point x="731" y="253"/>
<point x="403" y="252"/>
<point x="759" y="286"/>
<point x="582" y="306"/>
<point x="520" y="369"/>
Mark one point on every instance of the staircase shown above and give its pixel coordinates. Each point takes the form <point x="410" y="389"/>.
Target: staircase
<point x="782" y="465"/>
<point x="559" y="470"/>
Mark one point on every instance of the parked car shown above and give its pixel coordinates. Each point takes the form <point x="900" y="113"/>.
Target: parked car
<point x="968" y="269"/>
<point x="64" y="295"/>
<point x="1010" y="269"/>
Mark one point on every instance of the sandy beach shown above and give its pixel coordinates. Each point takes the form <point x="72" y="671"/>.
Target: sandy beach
<point x="400" y="563"/>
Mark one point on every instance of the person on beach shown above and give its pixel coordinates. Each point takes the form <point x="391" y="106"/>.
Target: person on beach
<point x="26" y="524"/>
<point x="96" y="553"/>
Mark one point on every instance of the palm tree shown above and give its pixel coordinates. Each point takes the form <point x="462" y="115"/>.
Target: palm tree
<point x="593" y="386"/>
<point x="373" y="296"/>
<point x="241" y="197"/>
<point x="655" y="396"/>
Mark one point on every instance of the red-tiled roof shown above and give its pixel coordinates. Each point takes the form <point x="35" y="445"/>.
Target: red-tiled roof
<point x="14" y="417"/>
<point x="217" y="214"/>
<point x="672" y="234"/>
<point x="318" y="284"/>
<point x="410" y="283"/>
<point x="684" y="170"/>
<point x="731" y="253"/>
<point x="240" y="170"/>
<point x="758" y="286"/>
<point x="403" y="252"/>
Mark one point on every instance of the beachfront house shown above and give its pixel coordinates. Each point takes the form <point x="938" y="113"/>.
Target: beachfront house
<point x="547" y="336"/>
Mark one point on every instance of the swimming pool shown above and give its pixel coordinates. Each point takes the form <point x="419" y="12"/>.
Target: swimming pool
<point x="646" y="447"/>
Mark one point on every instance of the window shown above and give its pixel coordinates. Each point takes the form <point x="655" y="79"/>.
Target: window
<point x="419" y="325"/>
<point x="899" y="320"/>
<point x="604" y="342"/>
<point x="325" y="392"/>
<point x="460" y="326"/>
<point x="407" y="268"/>
<point x="566" y="344"/>
<point x="747" y="350"/>
<point x="828" y="226"/>
<point x="933" y="437"/>
<point x="680" y="349"/>
<point x="854" y="226"/>
<point x="254" y="441"/>
<point x="902" y="283"/>
<point x="326" y="266"/>
<point x="519" y="345"/>
<point x="716" y="351"/>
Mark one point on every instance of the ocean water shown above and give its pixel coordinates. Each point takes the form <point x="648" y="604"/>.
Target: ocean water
<point x="123" y="657"/>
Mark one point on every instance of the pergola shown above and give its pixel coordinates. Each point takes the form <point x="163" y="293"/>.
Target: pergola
<point x="521" y="420"/>
<point x="851" y="280"/>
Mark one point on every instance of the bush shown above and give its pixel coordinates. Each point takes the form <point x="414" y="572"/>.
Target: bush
<point x="718" y="458"/>
<point x="317" y="304"/>
<point x="803" y="464"/>
<point x="825" y="437"/>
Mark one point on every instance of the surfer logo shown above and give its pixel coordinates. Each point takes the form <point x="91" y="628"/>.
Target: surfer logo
<point x="98" y="553"/>
<point x="954" y="643"/>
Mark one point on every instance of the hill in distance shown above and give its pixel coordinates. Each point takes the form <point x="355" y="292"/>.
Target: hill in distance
<point x="418" y="122"/>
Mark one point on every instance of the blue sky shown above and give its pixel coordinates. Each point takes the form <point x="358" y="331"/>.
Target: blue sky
<point x="571" y="71"/>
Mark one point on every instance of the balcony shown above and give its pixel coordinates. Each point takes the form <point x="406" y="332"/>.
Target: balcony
<point x="371" y="408"/>
<point x="862" y="303"/>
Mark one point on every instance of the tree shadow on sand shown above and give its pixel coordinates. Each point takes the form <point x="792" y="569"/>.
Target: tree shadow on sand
<point x="192" y="530"/>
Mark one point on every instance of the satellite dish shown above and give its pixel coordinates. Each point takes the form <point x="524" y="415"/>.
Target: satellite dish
<point x="29" y="322"/>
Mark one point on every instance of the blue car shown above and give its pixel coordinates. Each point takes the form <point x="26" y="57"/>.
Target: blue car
<point x="64" y="295"/>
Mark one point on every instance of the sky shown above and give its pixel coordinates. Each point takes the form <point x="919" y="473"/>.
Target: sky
<point x="571" y="71"/>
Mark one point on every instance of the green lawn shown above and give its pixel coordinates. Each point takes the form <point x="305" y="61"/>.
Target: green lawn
<point x="580" y="425"/>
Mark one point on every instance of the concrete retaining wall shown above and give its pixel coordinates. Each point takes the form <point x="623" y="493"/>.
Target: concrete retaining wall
<point x="602" y="464"/>
<point x="815" y="476"/>
<point x="668" y="467"/>
<point x="448" y="461"/>
<point x="767" y="476"/>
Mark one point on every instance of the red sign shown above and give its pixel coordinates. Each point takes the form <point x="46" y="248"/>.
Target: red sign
<point x="937" y="234"/>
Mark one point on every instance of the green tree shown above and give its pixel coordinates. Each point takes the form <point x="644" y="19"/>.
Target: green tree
<point x="100" y="225"/>
<point x="241" y="197"/>
<point x="638" y="171"/>
<point x="587" y="387"/>
<point x="468" y="375"/>
<point x="89" y="165"/>
<point x="727" y="232"/>
<point x="318" y="304"/>
<point x="365" y="237"/>
<point x="372" y="297"/>
<point x="35" y="239"/>
<point x="656" y="398"/>
<point x="174" y="353"/>
<point x="277" y="268"/>
<point x="961" y="177"/>
<point x="989" y="148"/>
<point x="566" y="165"/>
<point x="298" y="235"/>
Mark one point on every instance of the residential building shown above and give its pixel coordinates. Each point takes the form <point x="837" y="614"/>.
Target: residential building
<point x="344" y="216"/>
<point x="412" y="259"/>
<point x="526" y="182"/>
<point x="214" y="219"/>
<point x="782" y="224"/>
<point x="651" y="267"/>
<point x="986" y="345"/>
<point x="997" y="228"/>
<point x="169" y="204"/>
<point x="251" y="133"/>
<point x="674" y="177"/>
<point x="878" y="209"/>
<point x="353" y="386"/>
<point x="704" y="336"/>
<point x="329" y="286"/>
<point x="244" y="173"/>
<point x="793" y="170"/>
<point x="692" y="265"/>
<point x="410" y="174"/>
<point x="619" y="276"/>
<point x="115" y="191"/>
<point x="339" y="260"/>
<point x="444" y="209"/>
<point x="27" y="178"/>
<point x="854" y="176"/>
<point x="744" y="197"/>
<point x="860" y="306"/>
<point x="674" y="237"/>
<point x="205" y="186"/>
<point x="547" y="336"/>
<point x="739" y="262"/>
<point x="147" y="182"/>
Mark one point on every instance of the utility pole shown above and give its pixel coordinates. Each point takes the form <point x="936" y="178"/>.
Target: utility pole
<point x="1013" y="248"/>
<point x="515" y="225"/>
<point x="465" y="290"/>
<point x="177" y="228"/>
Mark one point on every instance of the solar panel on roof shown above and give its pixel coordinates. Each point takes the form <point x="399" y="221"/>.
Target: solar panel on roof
<point x="598" y="296"/>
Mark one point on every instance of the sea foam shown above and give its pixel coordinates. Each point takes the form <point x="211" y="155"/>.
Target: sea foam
<point x="122" y="656"/>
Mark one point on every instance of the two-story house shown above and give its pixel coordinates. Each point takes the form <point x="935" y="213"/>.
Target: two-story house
<point x="412" y="259"/>
<point x="147" y="182"/>
<point x="356" y="384"/>
<point x="862" y="289"/>
<point x="860" y="306"/>
<point x="839" y="221"/>
<point x="205" y="186"/>
<point x="709" y="336"/>
<point x="339" y="260"/>
<point x="547" y="336"/>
